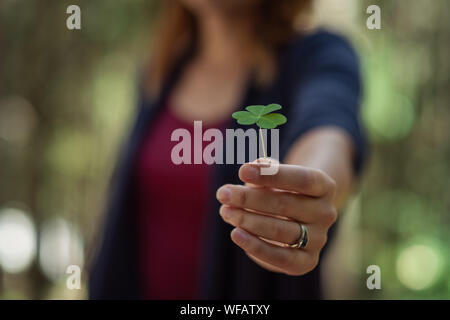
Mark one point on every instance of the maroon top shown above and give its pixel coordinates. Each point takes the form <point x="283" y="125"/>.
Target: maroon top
<point x="172" y="202"/>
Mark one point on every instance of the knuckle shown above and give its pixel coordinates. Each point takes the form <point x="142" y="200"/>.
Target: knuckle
<point x="321" y="181"/>
<point x="282" y="204"/>
<point x="242" y="197"/>
<point x="323" y="240"/>
<point x="330" y="215"/>
<point x="332" y="184"/>
<point x="279" y="230"/>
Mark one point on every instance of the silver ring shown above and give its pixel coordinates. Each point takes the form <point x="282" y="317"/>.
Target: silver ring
<point x="303" y="239"/>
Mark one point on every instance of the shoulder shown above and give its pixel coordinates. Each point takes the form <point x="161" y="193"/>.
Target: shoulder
<point x="318" y="48"/>
<point x="317" y="39"/>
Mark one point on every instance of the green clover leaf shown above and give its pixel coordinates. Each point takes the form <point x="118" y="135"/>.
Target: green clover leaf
<point x="271" y="121"/>
<point x="245" y="117"/>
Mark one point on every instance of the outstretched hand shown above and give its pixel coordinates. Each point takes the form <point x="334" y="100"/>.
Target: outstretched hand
<point x="268" y="210"/>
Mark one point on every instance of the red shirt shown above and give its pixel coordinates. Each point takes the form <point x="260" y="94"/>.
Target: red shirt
<point x="172" y="203"/>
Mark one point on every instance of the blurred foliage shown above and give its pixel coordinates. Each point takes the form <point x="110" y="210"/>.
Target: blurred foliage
<point x="67" y="97"/>
<point x="405" y="205"/>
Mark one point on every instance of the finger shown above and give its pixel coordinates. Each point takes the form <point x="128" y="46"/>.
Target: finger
<point x="291" y="261"/>
<point x="308" y="181"/>
<point x="282" y="231"/>
<point x="270" y="228"/>
<point x="261" y="162"/>
<point x="298" y="207"/>
<point x="265" y="264"/>
<point x="253" y="185"/>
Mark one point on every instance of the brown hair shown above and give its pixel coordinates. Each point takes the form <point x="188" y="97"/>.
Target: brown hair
<point x="274" y="23"/>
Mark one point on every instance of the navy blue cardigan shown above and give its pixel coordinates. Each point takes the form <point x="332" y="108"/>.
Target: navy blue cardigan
<point x="318" y="84"/>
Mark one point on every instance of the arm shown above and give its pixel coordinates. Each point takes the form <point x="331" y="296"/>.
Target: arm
<point x="331" y="150"/>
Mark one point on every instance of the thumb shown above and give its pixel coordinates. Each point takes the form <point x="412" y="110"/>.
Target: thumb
<point x="265" y="166"/>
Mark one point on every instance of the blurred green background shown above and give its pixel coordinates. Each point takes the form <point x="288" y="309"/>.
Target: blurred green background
<point x="67" y="99"/>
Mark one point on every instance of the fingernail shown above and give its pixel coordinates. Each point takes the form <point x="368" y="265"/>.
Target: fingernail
<point x="224" y="194"/>
<point x="239" y="235"/>
<point x="250" y="173"/>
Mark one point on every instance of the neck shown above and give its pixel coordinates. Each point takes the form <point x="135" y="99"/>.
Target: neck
<point x="221" y="41"/>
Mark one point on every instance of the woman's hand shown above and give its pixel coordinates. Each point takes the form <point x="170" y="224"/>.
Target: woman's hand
<point x="270" y="207"/>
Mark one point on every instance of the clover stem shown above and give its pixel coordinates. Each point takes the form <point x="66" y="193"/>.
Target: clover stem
<point x="262" y="142"/>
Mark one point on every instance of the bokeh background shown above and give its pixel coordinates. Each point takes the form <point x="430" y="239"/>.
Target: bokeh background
<point x="67" y="99"/>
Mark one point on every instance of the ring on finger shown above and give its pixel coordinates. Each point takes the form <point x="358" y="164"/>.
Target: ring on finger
<point x="302" y="239"/>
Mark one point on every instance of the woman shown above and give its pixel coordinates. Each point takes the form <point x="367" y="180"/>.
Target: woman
<point x="164" y="237"/>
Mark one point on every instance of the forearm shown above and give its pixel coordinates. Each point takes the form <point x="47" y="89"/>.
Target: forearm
<point x="330" y="150"/>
